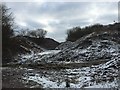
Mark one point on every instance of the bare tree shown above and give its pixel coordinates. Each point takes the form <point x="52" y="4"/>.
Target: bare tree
<point x="7" y="22"/>
<point x="7" y="33"/>
<point x="39" y="33"/>
<point x="23" y="32"/>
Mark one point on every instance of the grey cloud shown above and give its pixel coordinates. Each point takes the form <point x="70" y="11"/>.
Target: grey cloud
<point x="119" y="11"/>
<point x="65" y="24"/>
<point x="55" y="9"/>
<point x="58" y="35"/>
<point x="105" y="19"/>
<point x="33" y="24"/>
<point x="63" y="15"/>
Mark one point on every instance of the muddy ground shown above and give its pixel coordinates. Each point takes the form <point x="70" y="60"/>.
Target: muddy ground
<point x="12" y="78"/>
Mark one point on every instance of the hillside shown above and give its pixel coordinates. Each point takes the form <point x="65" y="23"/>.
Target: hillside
<point x="92" y="61"/>
<point x="46" y="43"/>
<point x="75" y="33"/>
<point x="27" y="45"/>
<point x="89" y="57"/>
<point x="102" y="46"/>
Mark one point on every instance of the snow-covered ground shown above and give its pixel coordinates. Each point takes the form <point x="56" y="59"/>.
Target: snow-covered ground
<point x="84" y="49"/>
<point x="98" y="76"/>
<point x="78" y="78"/>
<point x="87" y="49"/>
<point x="49" y="52"/>
<point x="33" y="57"/>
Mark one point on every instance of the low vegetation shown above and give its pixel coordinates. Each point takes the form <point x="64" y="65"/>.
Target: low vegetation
<point x="75" y="33"/>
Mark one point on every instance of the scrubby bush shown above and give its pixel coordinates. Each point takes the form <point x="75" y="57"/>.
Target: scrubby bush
<point x="77" y="32"/>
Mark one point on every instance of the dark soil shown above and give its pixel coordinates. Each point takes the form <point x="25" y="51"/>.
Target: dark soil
<point x="12" y="78"/>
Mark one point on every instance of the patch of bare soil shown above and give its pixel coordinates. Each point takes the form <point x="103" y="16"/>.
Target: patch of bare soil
<point x="12" y="78"/>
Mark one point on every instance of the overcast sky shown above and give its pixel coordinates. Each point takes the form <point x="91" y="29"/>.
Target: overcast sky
<point x="57" y="17"/>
